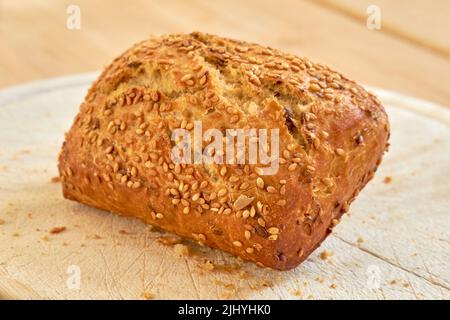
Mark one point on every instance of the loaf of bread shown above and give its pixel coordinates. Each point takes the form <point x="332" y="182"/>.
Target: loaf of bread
<point x="118" y="154"/>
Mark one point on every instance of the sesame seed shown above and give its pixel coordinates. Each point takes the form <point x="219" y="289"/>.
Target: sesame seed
<point x="250" y="250"/>
<point x="314" y="87"/>
<point x="340" y="152"/>
<point x="203" y="184"/>
<point x="109" y="149"/>
<point x="292" y="166"/>
<point x="310" y="168"/>
<point x="186" y="210"/>
<point x="273" y="230"/>
<point x="237" y="243"/>
<point x="234" y="119"/>
<point x="273" y="237"/>
<point x="252" y="211"/>
<point x="244" y="186"/>
<point x="136" y="185"/>
<point x="186" y="77"/>
<point x="247" y="234"/>
<point x="260" y="183"/>
<point x="195" y="197"/>
<point x="245" y="214"/>
<point x="159" y="216"/>
<point x="223" y="171"/>
<point x="201" y="237"/>
<point x="281" y="202"/>
<point x="271" y="189"/>
<point x="227" y="211"/>
<point x="222" y="192"/>
<point x="155" y="96"/>
<point x="261" y="222"/>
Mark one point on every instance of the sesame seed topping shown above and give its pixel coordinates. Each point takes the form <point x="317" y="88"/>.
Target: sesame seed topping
<point x="159" y="216"/>
<point x="292" y="166"/>
<point x="223" y="171"/>
<point x="237" y="243"/>
<point x="273" y="230"/>
<point x="260" y="183"/>
<point x="222" y="192"/>
<point x="314" y="87"/>
<point x="340" y="152"/>
<point x="136" y="185"/>
<point x="271" y="189"/>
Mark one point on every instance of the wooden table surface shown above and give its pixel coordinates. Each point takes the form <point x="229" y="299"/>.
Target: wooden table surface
<point x="410" y="54"/>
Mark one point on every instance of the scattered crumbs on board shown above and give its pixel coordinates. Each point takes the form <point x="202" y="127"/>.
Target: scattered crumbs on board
<point x="387" y="179"/>
<point x="297" y="293"/>
<point x="55" y="179"/>
<point x="169" y="240"/>
<point x="360" y="240"/>
<point x="93" y="236"/>
<point x="148" y="296"/>
<point x="2" y="221"/>
<point x="182" y="250"/>
<point x="57" y="230"/>
<point x="325" y="255"/>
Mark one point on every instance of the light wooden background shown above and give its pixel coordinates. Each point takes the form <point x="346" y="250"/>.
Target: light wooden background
<point x="410" y="54"/>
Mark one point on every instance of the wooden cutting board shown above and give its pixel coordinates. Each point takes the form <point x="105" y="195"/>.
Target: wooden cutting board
<point x="394" y="244"/>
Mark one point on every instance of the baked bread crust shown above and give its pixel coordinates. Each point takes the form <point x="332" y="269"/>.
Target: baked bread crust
<point x="333" y="134"/>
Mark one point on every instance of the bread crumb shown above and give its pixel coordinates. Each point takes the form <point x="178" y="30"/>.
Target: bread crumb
<point x="387" y="179"/>
<point x="182" y="250"/>
<point x="394" y="282"/>
<point x="406" y="285"/>
<point x="297" y="293"/>
<point x="169" y="240"/>
<point x="333" y="286"/>
<point x="148" y="295"/>
<point x="16" y="234"/>
<point x="324" y="255"/>
<point x="57" y="230"/>
<point x="2" y="221"/>
<point x="55" y="179"/>
<point x="45" y="238"/>
<point x="207" y="265"/>
<point x="320" y="279"/>
<point x="360" y="240"/>
<point x="94" y="236"/>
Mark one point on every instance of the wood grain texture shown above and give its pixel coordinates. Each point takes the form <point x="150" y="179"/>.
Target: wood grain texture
<point x="417" y="22"/>
<point x="392" y="245"/>
<point x="35" y="42"/>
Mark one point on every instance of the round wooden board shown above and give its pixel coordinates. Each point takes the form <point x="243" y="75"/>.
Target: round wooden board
<point x="394" y="244"/>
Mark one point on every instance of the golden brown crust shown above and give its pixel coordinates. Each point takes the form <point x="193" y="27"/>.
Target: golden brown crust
<point x="333" y="134"/>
